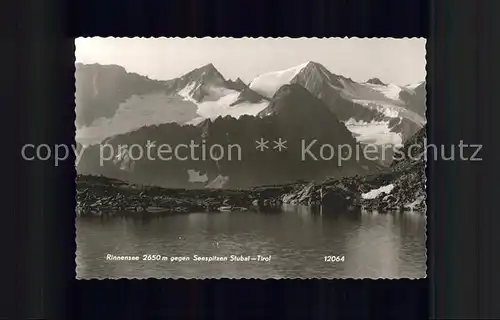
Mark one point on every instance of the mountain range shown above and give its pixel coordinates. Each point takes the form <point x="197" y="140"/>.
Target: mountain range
<point x="110" y="100"/>
<point x="306" y="102"/>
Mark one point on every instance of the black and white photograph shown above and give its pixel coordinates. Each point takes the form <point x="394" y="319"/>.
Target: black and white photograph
<point x="239" y="158"/>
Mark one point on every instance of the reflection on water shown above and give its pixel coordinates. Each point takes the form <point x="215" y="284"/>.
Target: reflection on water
<point x="374" y="245"/>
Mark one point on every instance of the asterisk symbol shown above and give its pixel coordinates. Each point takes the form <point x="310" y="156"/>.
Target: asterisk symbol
<point x="262" y="144"/>
<point x="280" y="144"/>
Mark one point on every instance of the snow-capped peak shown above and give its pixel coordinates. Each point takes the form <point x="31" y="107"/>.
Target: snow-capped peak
<point x="312" y="64"/>
<point x="207" y="73"/>
<point x="308" y="72"/>
<point x="414" y="85"/>
<point x="209" y="66"/>
<point x="376" y="81"/>
<point x="268" y="83"/>
<point x="201" y="83"/>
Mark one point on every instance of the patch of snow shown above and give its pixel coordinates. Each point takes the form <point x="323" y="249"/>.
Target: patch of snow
<point x="414" y="85"/>
<point x="268" y="83"/>
<point x="392" y="110"/>
<point x="375" y="132"/>
<point x="216" y="93"/>
<point x="415" y="203"/>
<point x="372" y="194"/>
<point x="195" y="121"/>
<point x="218" y="103"/>
<point x="222" y="107"/>
<point x="388" y="110"/>
<point x="390" y="91"/>
<point x="194" y="176"/>
<point x="186" y="91"/>
<point x="213" y="93"/>
<point x="370" y="92"/>
<point x="218" y="183"/>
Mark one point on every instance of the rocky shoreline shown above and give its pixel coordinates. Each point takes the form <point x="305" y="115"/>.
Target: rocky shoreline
<point x="97" y="196"/>
<point x="102" y="196"/>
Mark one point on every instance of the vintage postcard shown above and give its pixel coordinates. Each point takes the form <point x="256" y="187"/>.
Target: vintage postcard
<point x="250" y="158"/>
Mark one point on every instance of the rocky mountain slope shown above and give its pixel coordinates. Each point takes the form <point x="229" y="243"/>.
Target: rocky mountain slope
<point x="374" y="111"/>
<point x="111" y="101"/>
<point x="296" y="116"/>
<point x="100" y="89"/>
<point x="400" y="188"/>
<point x="414" y="97"/>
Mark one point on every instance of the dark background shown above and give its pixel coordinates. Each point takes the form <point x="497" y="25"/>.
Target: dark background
<point x="38" y="235"/>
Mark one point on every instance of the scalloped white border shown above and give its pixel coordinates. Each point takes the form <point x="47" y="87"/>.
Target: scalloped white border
<point x="272" y="278"/>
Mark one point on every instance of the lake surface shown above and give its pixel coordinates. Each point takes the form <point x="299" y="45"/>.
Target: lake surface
<point x="372" y="245"/>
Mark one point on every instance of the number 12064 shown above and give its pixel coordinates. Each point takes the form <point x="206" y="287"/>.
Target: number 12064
<point x="334" y="258"/>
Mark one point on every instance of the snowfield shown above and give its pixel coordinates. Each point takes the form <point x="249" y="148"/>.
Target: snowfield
<point x="386" y="109"/>
<point x="220" y="103"/>
<point x="375" y="132"/>
<point x="268" y="83"/>
<point x="390" y="91"/>
<point x="383" y="98"/>
<point x="366" y="91"/>
<point x="222" y="107"/>
<point x="159" y="108"/>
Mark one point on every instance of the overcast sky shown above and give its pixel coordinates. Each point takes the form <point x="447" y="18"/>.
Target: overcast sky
<point x="399" y="61"/>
